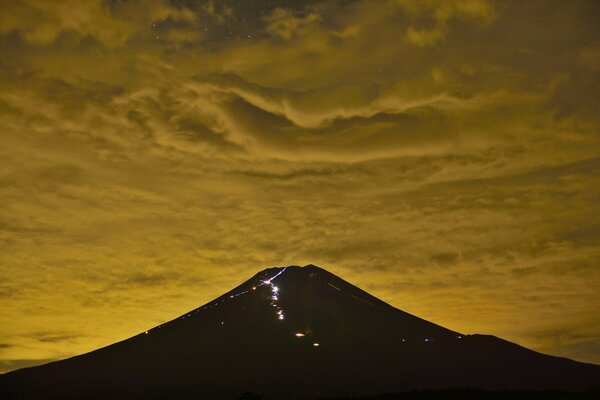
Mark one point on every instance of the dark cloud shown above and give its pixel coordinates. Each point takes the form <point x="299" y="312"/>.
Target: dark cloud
<point x="55" y="338"/>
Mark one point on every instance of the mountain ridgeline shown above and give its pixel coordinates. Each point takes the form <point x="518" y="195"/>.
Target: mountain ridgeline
<point x="297" y="333"/>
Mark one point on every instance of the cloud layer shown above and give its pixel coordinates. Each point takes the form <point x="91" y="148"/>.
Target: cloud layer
<point x="443" y="155"/>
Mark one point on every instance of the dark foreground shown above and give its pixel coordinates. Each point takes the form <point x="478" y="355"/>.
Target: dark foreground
<point x="454" y="394"/>
<point x="470" y="395"/>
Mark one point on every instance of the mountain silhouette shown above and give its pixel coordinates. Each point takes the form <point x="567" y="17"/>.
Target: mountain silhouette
<point x="297" y="332"/>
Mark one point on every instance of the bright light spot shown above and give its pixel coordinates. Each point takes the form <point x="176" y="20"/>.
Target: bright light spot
<point x="222" y="323"/>
<point x="315" y="344"/>
<point x="280" y="316"/>
<point x="275" y="289"/>
<point x="460" y="337"/>
<point x="427" y="340"/>
<point x="253" y="287"/>
<point x="146" y="332"/>
<point x="298" y="334"/>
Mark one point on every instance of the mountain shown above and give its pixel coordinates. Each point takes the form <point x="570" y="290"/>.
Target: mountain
<point x="296" y="332"/>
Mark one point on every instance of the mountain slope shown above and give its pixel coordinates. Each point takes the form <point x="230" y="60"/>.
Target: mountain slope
<point x="297" y="332"/>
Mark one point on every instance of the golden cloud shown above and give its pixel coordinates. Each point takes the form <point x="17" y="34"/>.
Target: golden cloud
<point x="284" y="24"/>
<point x="42" y="22"/>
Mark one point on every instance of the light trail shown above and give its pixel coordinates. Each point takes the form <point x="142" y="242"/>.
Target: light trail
<point x="268" y="281"/>
<point x="335" y="287"/>
<point x="274" y="295"/>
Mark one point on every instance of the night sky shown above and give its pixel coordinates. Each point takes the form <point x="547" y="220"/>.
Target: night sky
<point x="442" y="155"/>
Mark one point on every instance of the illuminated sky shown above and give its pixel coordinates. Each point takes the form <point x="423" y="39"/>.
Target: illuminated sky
<point x="442" y="155"/>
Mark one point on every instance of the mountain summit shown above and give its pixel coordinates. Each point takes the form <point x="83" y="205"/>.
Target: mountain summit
<point x="296" y="332"/>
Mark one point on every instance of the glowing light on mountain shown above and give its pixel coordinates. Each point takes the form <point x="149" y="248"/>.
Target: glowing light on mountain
<point x="274" y="291"/>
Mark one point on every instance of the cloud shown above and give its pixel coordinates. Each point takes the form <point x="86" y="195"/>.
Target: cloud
<point x="220" y="12"/>
<point x="56" y="338"/>
<point x="284" y="24"/>
<point x="439" y="14"/>
<point x="319" y="108"/>
<point x="111" y="24"/>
